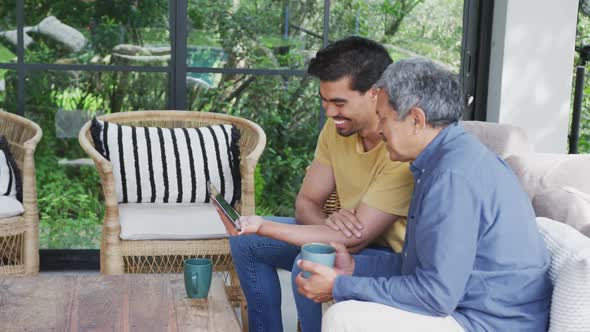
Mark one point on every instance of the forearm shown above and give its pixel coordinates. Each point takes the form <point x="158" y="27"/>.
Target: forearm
<point x="308" y="212"/>
<point x="299" y="235"/>
<point x="377" y="265"/>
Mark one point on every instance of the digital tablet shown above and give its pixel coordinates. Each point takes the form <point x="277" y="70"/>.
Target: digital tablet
<point x="229" y="211"/>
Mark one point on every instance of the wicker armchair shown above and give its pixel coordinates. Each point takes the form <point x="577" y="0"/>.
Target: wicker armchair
<point x="119" y="256"/>
<point x="19" y="236"/>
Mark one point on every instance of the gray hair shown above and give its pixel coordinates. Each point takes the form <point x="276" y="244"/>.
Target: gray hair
<point x="420" y="82"/>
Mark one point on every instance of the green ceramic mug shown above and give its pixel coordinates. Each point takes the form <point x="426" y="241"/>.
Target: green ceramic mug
<point x="197" y="277"/>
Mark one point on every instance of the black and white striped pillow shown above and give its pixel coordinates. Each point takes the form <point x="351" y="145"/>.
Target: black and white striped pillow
<point x="170" y="165"/>
<point x="10" y="180"/>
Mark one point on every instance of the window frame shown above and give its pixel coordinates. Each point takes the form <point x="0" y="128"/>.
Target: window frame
<point x="476" y="44"/>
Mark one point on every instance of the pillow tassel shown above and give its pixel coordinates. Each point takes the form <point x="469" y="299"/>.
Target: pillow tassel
<point x="95" y="131"/>
<point x="235" y="164"/>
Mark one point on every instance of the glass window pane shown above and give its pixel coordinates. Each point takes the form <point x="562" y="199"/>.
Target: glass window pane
<point x="8" y="32"/>
<point x="429" y="28"/>
<point x="70" y="194"/>
<point x="288" y="109"/>
<point x="98" y="32"/>
<point x="583" y="41"/>
<point x="253" y="33"/>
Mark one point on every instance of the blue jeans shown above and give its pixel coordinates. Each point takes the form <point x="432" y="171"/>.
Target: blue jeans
<point x="256" y="259"/>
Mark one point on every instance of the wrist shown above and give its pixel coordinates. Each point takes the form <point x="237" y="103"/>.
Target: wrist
<point x="261" y="229"/>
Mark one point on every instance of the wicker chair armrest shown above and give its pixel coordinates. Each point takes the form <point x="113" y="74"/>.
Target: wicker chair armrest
<point x="31" y="143"/>
<point x="254" y="155"/>
<point x="105" y="171"/>
<point x="102" y="164"/>
<point x="29" y="179"/>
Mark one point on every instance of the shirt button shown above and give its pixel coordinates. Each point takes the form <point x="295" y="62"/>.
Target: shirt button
<point x="418" y="181"/>
<point x="423" y="170"/>
<point x="405" y="254"/>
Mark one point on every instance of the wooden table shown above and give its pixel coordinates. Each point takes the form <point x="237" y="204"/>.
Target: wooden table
<point x="130" y="302"/>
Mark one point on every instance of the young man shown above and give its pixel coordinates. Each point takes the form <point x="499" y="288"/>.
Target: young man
<point x="351" y="158"/>
<point x="473" y="259"/>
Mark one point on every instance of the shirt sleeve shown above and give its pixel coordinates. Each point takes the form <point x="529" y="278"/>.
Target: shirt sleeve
<point x="446" y="241"/>
<point x="378" y="265"/>
<point x="322" y="153"/>
<point x="391" y="191"/>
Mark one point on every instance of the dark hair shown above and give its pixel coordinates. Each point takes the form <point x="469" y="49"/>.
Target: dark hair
<point x="362" y="59"/>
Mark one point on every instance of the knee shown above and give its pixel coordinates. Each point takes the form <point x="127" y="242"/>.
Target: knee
<point x="241" y="246"/>
<point x="339" y="317"/>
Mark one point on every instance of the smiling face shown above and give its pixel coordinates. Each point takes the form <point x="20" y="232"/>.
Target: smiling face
<point x="351" y="110"/>
<point x="397" y="134"/>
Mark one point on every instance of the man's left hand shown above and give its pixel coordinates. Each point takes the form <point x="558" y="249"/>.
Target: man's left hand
<point x="318" y="287"/>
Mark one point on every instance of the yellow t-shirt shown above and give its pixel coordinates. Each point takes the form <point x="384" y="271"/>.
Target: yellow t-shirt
<point x="368" y="177"/>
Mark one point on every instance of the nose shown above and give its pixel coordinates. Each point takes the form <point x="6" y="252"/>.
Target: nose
<point x="330" y="110"/>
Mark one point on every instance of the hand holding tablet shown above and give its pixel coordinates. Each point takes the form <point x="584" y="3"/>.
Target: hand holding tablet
<point x="222" y="205"/>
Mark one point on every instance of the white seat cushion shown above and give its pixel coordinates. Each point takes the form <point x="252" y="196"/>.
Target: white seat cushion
<point x="10" y="207"/>
<point x="167" y="221"/>
<point x="570" y="273"/>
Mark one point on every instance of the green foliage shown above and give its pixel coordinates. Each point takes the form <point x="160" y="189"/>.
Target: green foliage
<point x="583" y="38"/>
<point x="69" y="198"/>
<point x="223" y="33"/>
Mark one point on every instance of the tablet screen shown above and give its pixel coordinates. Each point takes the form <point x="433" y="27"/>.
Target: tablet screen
<point x="218" y="199"/>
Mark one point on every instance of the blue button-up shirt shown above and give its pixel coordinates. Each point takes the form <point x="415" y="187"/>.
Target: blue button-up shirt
<point x="472" y="249"/>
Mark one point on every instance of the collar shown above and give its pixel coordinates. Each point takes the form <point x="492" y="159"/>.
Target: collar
<point x="430" y="153"/>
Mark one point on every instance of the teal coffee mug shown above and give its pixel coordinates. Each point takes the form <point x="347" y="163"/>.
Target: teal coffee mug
<point x="197" y="277"/>
<point x="318" y="253"/>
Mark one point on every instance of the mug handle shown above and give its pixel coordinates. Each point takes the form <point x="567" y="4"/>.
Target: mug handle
<point x="194" y="282"/>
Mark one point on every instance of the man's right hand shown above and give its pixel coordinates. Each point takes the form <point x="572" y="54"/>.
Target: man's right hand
<point x="345" y="221"/>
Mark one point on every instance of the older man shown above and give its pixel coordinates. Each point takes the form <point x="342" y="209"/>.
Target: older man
<point x="473" y="259"/>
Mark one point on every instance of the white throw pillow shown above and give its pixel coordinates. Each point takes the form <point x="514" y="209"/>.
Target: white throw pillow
<point x="570" y="273"/>
<point x="170" y="165"/>
<point x="10" y="207"/>
<point x="565" y="204"/>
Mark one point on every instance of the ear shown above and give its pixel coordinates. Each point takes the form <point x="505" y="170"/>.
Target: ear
<point x="373" y="93"/>
<point x="419" y="118"/>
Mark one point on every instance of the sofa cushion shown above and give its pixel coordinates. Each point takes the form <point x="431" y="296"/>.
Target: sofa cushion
<point x="170" y="221"/>
<point x="10" y="180"/>
<point x="570" y="273"/>
<point x="170" y="165"/>
<point x="565" y="204"/>
<point x="539" y="171"/>
<point x="10" y="207"/>
<point x="502" y="139"/>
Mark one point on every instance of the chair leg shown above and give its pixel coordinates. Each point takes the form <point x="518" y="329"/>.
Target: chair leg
<point x="244" y="311"/>
<point x="111" y="261"/>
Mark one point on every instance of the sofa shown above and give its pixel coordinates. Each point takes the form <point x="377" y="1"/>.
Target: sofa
<point x="560" y="194"/>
